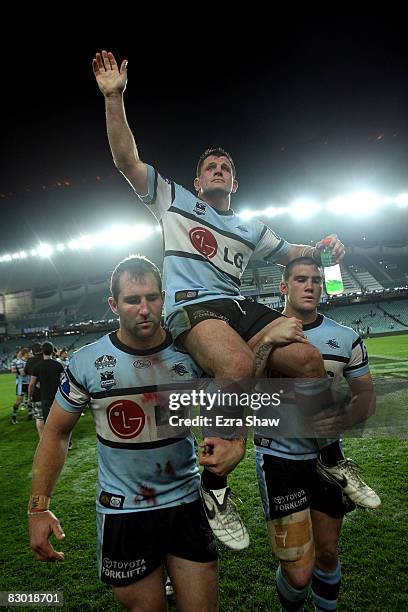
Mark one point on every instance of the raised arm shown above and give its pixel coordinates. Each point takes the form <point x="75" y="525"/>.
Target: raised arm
<point x="304" y="250"/>
<point x="112" y="83"/>
<point x="49" y="460"/>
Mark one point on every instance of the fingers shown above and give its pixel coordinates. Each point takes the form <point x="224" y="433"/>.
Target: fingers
<point x="105" y="62"/>
<point x="45" y="552"/>
<point x="58" y="531"/>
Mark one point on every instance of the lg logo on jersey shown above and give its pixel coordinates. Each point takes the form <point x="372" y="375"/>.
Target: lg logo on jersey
<point x="205" y="243"/>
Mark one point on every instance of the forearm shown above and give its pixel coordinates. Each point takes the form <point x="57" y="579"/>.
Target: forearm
<point x="360" y="408"/>
<point x="262" y="351"/>
<point x="31" y="388"/>
<point x="49" y="460"/>
<point x="121" y="140"/>
<point x="300" y="250"/>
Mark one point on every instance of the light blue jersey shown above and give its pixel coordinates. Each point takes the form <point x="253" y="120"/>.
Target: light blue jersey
<point x="139" y="469"/>
<point x="21" y="379"/>
<point x="345" y="356"/>
<point x="205" y="251"/>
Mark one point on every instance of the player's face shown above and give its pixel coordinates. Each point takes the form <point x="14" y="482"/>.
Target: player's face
<point x="216" y="177"/>
<point x="303" y="288"/>
<point x="139" y="305"/>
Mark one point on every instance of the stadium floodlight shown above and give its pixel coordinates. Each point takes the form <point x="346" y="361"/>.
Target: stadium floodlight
<point x="359" y="203"/>
<point x="33" y="253"/>
<point x="15" y="256"/>
<point x="23" y="255"/>
<point x="402" y="200"/>
<point x="61" y="247"/>
<point x="304" y="208"/>
<point x="142" y="231"/>
<point x="44" y="250"/>
<point x="248" y="214"/>
<point x="274" y="211"/>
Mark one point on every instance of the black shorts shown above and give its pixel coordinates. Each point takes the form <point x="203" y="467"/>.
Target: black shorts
<point x="288" y="486"/>
<point x="246" y="316"/>
<point x="132" y="545"/>
<point x="45" y="408"/>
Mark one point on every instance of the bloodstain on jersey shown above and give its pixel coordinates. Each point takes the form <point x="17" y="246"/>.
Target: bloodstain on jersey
<point x="169" y="470"/>
<point x="146" y="494"/>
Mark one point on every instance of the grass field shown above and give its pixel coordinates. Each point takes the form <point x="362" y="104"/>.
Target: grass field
<point x="372" y="545"/>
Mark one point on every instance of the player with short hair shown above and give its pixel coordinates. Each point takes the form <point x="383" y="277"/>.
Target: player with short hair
<point x="22" y="380"/>
<point x="149" y="513"/>
<point x="206" y="250"/>
<point x="304" y="512"/>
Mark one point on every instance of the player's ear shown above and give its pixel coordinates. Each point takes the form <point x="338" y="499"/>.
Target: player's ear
<point x="234" y="185"/>
<point x="283" y="288"/>
<point x="113" y="305"/>
<point x="197" y="185"/>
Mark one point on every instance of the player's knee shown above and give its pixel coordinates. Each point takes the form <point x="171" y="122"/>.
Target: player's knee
<point x="308" y="362"/>
<point x="238" y="366"/>
<point x="292" y="542"/>
<point x="299" y="577"/>
<point x="326" y="559"/>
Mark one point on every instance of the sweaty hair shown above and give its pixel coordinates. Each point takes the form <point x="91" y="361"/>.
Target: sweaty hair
<point x="47" y="348"/>
<point x="36" y="348"/>
<point x="217" y="152"/>
<point x="136" y="266"/>
<point x="299" y="261"/>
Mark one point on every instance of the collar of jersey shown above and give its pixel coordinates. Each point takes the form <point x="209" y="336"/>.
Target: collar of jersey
<point x="315" y="323"/>
<point x="223" y="213"/>
<point x="127" y="349"/>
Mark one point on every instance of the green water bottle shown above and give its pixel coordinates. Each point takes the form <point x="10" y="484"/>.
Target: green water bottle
<point x="332" y="273"/>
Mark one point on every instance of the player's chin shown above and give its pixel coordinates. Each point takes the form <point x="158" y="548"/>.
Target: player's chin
<point x="218" y="189"/>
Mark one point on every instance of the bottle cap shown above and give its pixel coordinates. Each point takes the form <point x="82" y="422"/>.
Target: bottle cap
<point x="326" y="241"/>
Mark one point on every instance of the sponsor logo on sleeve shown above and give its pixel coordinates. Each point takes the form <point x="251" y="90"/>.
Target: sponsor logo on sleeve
<point x="64" y="383"/>
<point x="333" y="343"/>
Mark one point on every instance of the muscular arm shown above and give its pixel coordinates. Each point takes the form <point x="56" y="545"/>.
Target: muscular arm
<point x="51" y="451"/>
<point x="49" y="460"/>
<point x="304" y="250"/>
<point x="112" y="83"/>
<point x="361" y="406"/>
<point x="362" y="403"/>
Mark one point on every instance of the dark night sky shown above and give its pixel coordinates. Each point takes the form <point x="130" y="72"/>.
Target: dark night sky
<point x="300" y="112"/>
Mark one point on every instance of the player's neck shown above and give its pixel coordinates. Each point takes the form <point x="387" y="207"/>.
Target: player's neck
<point x="219" y="202"/>
<point x="139" y="344"/>
<point x="305" y="317"/>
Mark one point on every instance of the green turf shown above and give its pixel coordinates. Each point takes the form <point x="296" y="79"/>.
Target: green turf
<point x="372" y="543"/>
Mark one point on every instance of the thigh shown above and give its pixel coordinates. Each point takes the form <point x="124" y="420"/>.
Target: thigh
<point x="214" y="346"/>
<point x="326" y="531"/>
<point x="195" y="584"/>
<point x="146" y="595"/>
